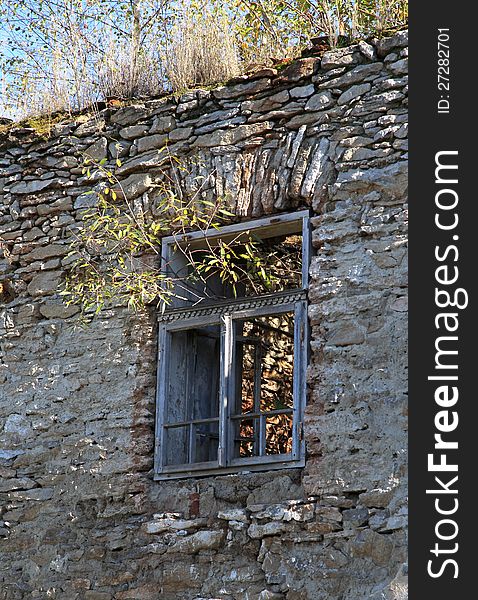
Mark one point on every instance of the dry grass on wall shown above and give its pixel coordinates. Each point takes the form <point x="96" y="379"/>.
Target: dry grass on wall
<point x="201" y="52"/>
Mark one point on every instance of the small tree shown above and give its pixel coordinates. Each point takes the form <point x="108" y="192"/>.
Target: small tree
<point x="61" y="53"/>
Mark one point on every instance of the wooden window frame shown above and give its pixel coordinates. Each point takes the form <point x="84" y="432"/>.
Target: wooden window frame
<point x="225" y="314"/>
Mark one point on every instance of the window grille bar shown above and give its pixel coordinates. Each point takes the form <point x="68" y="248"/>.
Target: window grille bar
<point x="192" y="422"/>
<point x="192" y="444"/>
<point x="262" y="435"/>
<point x="268" y="413"/>
<point x="257" y="388"/>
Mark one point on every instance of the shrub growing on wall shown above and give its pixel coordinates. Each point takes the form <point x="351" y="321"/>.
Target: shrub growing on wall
<point x="116" y="252"/>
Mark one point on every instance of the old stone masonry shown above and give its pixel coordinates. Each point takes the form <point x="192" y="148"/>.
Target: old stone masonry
<point x="81" y="517"/>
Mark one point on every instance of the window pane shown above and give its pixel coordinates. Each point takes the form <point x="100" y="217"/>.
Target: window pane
<point x="246" y="439"/>
<point x="281" y="257"/>
<point x="264" y="367"/>
<point x="192" y="396"/>
<point x="265" y="353"/>
<point x="279" y="434"/>
<point x="192" y="443"/>
<point x="206" y="441"/>
<point x="254" y="265"/>
<point x="193" y="378"/>
<point x="177" y="445"/>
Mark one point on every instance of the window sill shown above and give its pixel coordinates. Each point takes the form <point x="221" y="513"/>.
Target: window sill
<point x="231" y="470"/>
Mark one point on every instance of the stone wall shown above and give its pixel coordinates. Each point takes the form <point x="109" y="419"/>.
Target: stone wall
<point x="81" y="517"/>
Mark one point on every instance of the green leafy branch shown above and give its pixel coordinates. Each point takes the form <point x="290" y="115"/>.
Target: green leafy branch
<point x="115" y="253"/>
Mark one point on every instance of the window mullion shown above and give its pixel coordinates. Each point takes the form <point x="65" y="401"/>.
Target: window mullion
<point x="226" y="387"/>
<point x="190" y="376"/>
<point x="298" y="380"/>
<point x="259" y="438"/>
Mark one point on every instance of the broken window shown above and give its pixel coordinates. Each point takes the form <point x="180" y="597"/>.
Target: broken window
<point x="232" y="358"/>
